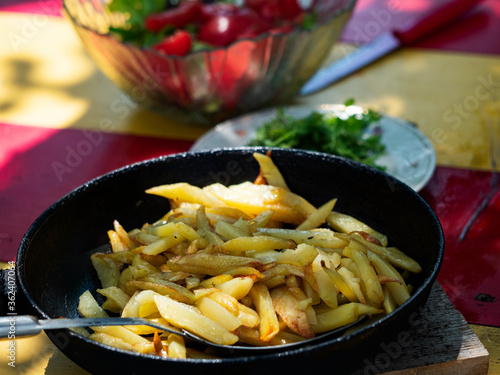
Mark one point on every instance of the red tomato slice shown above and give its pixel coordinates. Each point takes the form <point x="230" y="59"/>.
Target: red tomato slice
<point x="178" y="44"/>
<point x="222" y="30"/>
<point x="276" y="10"/>
<point x="187" y="12"/>
<point x="210" y="11"/>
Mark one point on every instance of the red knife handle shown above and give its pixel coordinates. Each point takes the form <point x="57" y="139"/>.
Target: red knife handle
<point x="415" y="30"/>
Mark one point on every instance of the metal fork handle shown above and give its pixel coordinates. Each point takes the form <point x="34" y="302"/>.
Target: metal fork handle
<point x="14" y="326"/>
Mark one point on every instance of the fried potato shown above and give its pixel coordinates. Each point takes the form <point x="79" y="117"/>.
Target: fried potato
<point x="229" y="231"/>
<point x="237" y="287"/>
<point x="106" y="269"/>
<point x="165" y="288"/>
<point x="171" y="228"/>
<point x="122" y="333"/>
<point x="341" y="284"/>
<point x="270" y="172"/>
<point x="183" y="192"/>
<point x="229" y="212"/>
<point x="89" y="308"/>
<point x="116" y="242"/>
<point x="399" y="291"/>
<point x="302" y="256"/>
<point x="268" y="326"/>
<point x="373" y="288"/>
<point x="347" y="224"/>
<point x="260" y="243"/>
<point x="286" y="304"/>
<point x="323" y="239"/>
<point x="176" y="347"/>
<point x="389" y="303"/>
<point x="209" y="264"/>
<point x="391" y="254"/>
<point x="215" y="280"/>
<point x="255" y="199"/>
<point x="148" y="330"/>
<point x="163" y="244"/>
<point x="142" y="238"/>
<point x="184" y="316"/>
<point x="337" y="317"/>
<point x="353" y="282"/>
<point x="123" y="235"/>
<point x="217" y="313"/>
<point x="252" y="262"/>
<point x="318" y="217"/>
<point x="326" y="288"/>
<point x="109" y="340"/>
<point x="116" y="299"/>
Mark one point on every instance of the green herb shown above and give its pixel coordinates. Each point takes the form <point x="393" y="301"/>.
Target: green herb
<point x="137" y="11"/>
<point x="324" y="133"/>
<point x="309" y="21"/>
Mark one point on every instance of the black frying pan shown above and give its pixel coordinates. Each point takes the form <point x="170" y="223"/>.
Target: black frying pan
<point x="54" y="268"/>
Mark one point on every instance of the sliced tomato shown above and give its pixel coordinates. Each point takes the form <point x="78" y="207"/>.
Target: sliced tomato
<point x="210" y="11"/>
<point x="255" y="4"/>
<point x="222" y="30"/>
<point x="187" y="12"/>
<point x="276" y="10"/>
<point x="178" y="44"/>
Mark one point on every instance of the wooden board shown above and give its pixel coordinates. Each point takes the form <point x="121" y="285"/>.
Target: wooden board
<point x="439" y="341"/>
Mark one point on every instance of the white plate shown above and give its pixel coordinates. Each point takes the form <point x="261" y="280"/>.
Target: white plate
<point x="409" y="155"/>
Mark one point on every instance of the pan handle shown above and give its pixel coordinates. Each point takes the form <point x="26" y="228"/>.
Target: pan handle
<point x="14" y="326"/>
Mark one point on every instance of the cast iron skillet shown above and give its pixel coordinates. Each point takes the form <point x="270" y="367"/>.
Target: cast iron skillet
<point x="54" y="268"/>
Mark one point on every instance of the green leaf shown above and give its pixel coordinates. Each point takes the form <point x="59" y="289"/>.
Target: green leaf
<point x="309" y="21"/>
<point x="325" y="133"/>
<point x="137" y="11"/>
<point x="349" y="102"/>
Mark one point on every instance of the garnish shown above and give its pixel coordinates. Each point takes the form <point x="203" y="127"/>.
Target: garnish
<point x="347" y="137"/>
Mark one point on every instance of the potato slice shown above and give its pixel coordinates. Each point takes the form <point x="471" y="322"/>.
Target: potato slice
<point x="346" y="224"/>
<point x="390" y="254"/>
<point x="320" y="238"/>
<point x="286" y="306"/>
<point x="269" y="325"/>
<point x="211" y="264"/>
<point x="116" y="300"/>
<point x="106" y="269"/>
<point x="255" y="199"/>
<point x="259" y="243"/>
<point x="184" y="316"/>
<point x="214" y="311"/>
<point x="399" y="291"/>
<point x="373" y="288"/>
<point x="109" y="340"/>
<point x="89" y="308"/>
<point x="176" y="347"/>
<point x="184" y="192"/>
<point x="270" y="172"/>
<point x="163" y="287"/>
<point x="336" y="317"/>
<point x="318" y="217"/>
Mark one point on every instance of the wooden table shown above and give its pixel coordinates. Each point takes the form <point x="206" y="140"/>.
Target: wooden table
<point x="49" y="83"/>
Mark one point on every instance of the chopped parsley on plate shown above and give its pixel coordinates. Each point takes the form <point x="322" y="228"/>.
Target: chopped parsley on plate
<point x="347" y="137"/>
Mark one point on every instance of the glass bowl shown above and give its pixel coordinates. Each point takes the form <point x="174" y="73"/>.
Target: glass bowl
<point x="207" y="87"/>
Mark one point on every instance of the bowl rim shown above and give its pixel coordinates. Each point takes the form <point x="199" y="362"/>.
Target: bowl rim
<point x="348" y="8"/>
<point x="423" y="289"/>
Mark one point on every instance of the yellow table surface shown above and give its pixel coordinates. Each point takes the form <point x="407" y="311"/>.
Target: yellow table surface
<point x="47" y="79"/>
